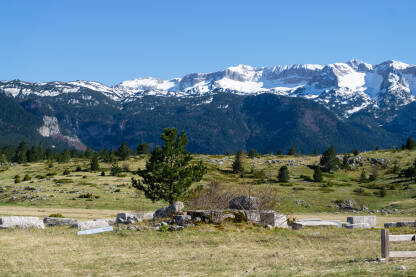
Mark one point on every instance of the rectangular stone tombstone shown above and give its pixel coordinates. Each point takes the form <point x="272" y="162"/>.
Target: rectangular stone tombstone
<point x="400" y="224"/>
<point x="356" y="226"/>
<point x="59" y="221"/>
<point x="92" y="224"/>
<point x="128" y="218"/>
<point x="371" y="220"/>
<point x="96" y="230"/>
<point x="273" y="219"/>
<point x="21" y="222"/>
<point x="314" y="223"/>
<point x="253" y="216"/>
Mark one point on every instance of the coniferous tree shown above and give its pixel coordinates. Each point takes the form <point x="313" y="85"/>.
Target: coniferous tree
<point x="252" y="153"/>
<point x="65" y="156"/>
<point x="315" y="152"/>
<point x="329" y="160"/>
<point x="410" y="143"/>
<point x="21" y="153"/>
<point x="168" y="172"/>
<point x="345" y="162"/>
<point x="292" y="151"/>
<point x="143" y="149"/>
<point x="74" y="153"/>
<point x="279" y="152"/>
<point x="115" y="169"/>
<point x="237" y="166"/>
<point x="363" y="177"/>
<point x="49" y="154"/>
<point x="317" y="174"/>
<point x="89" y="153"/>
<point x="111" y="157"/>
<point x="95" y="166"/>
<point x="124" y="151"/>
<point x="102" y="154"/>
<point x="283" y="176"/>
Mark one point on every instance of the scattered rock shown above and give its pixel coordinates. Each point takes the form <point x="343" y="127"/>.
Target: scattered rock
<point x="182" y="220"/>
<point x="349" y="204"/>
<point x="401" y="267"/>
<point x="23" y="222"/>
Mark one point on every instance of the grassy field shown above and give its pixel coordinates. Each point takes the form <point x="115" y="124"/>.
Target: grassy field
<point x="206" y="250"/>
<point x="49" y="188"/>
<point x="234" y="250"/>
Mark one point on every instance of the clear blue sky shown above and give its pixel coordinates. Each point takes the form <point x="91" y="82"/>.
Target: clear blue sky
<point x="112" y="41"/>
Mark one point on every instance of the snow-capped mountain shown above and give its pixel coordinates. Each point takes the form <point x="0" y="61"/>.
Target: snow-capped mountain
<point x="345" y="88"/>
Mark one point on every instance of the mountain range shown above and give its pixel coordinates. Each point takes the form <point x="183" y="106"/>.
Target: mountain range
<point x="349" y="105"/>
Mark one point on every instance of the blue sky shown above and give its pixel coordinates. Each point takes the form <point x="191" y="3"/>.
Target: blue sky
<point x="112" y="41"/>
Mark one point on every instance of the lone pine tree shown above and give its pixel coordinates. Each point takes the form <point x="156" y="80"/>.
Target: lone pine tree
<point x="168" y="173"/>
<point x="329" y="160"/>
<point x="238" y="163"/>
<point x="283" y="174"/>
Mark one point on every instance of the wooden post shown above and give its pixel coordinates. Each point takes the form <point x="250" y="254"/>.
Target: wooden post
<point x="385" y="251"/>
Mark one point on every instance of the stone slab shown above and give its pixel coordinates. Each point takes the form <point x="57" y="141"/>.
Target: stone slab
<point x="59" y="221"/>
<point x="314" y="223"/>
<point x="23" y="222"/>
<point x="371" y="220"/>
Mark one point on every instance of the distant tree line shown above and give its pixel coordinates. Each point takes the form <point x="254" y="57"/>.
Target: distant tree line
<point x="24" y="153"/>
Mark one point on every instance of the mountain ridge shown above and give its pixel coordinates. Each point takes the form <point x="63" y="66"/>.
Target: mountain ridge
<point x="345" y="88"/>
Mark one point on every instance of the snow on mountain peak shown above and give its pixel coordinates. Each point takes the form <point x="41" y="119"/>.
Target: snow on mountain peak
<point x="348" y="86"/>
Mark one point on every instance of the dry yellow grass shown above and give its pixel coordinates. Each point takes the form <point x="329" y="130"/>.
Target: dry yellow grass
<point x="198" y="251"/>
